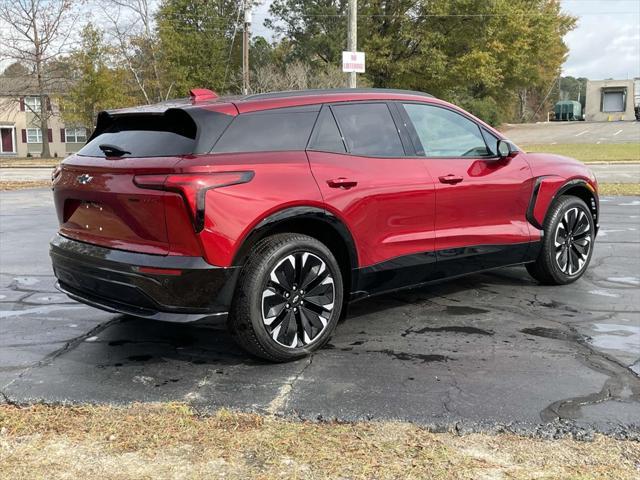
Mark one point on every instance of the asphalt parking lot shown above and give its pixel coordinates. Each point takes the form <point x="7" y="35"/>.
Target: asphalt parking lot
<point x="491" y="352"/>
<point x="573" y="132"/>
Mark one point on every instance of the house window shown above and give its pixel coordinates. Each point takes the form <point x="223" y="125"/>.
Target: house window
<point x="34" y="135"/>
<point x="32" y="104"/>
<point x="75" y="135"/>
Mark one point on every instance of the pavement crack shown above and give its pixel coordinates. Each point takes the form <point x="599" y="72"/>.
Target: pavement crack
<point x="278" y="404"/>
<point x="67" y="347"/>
<point x="620" y="378"/>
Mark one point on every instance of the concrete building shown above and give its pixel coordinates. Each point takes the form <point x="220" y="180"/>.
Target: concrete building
<point x="20" y="132"/>
<point x="610" y="100"/>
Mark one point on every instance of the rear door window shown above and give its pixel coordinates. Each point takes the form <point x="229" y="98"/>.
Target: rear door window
<point x="369" y="129"/>
<point x="269" y="130"/>
<point x="444" y="133"/>
<point x="170" y="133"/>
<point x="326" y="135"/>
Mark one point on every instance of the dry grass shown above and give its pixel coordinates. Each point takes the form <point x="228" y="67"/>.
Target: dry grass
<point x="619" y="189"/>
<point x="30" y="162"/>
<point x="22" y="184"/>
<point x="171" y="441"/>
<point x="585" y="152"/>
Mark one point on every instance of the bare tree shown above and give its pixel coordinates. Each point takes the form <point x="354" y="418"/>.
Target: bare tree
<point x="132" y="32"/>
<point x="295" y="76"/>
<point x="37" y="34"/>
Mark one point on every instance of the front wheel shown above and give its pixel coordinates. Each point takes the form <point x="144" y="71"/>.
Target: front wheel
<point x="288" y="299"/>
<point x="567" y="247"/>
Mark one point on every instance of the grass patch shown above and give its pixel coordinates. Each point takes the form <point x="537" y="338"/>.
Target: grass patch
<point x="171" y="440"/>
<point x="619" y="189"/>
<point x="30" y="162"/>
<point x="22" y="184"/>
<point x="586" y="152"/>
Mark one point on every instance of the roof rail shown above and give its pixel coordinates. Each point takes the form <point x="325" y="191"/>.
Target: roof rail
<point x="329" y="91"/>
<point x="198" y="95"/>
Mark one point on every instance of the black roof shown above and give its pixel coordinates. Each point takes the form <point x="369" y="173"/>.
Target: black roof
<point x="329" y="91"/>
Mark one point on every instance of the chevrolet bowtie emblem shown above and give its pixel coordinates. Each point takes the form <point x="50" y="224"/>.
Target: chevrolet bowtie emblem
<point x="84" y="179"/>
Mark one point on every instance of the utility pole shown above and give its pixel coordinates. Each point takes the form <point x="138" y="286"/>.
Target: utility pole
<point x="245" y="46"/>
<point x="352" y="39"/>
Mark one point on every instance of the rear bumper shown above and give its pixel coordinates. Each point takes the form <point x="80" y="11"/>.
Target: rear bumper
<point x="188" y="289"/>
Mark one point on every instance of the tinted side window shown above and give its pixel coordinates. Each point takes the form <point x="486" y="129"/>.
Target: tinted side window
<point x="444" y="133"/>
<point x="369" y="129"/>
<point x="326" y="136"/>
<point x="269" y="130"/>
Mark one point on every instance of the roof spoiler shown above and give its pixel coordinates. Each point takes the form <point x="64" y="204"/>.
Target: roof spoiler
<point x="197" y="95"/>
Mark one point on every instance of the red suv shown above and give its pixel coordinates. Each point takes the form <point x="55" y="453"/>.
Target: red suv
<point x="275" y="210"/>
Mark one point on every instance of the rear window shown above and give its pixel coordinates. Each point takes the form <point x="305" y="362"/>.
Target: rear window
<point x="269" y="130"/>
<point x="369" y="129"/>
<point x="171" y="133"/>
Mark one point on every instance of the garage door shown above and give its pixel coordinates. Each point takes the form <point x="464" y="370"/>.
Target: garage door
<point x="613" y="102"/>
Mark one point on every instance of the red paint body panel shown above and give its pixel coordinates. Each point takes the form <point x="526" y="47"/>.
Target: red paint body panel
<point x="487" y="207"/>
<point x="110" y="210"/>
<point x="390" y="212"/>
<point x="554" y="172"/>
<point x="282" y="180"/>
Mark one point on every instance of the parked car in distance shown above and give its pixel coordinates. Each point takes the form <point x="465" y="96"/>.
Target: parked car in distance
<point x="275" y="210"/>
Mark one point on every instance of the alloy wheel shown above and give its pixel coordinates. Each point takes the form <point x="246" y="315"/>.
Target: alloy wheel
<point x="298" y="300"/>
<point x="573" y="241"/>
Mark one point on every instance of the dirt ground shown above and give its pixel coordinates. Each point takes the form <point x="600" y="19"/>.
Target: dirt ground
<point x="174" y="441"/>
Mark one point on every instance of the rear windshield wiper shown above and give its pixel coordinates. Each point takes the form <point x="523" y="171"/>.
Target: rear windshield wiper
<point x="112" y="150"/>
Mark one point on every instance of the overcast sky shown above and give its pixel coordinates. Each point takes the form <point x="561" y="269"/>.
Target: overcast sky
<point x="606" y="42"/>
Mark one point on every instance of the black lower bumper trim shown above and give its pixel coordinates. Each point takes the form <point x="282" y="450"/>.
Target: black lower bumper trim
<point x="111" y="280"/>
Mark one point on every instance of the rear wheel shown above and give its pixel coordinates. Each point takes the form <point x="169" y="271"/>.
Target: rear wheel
<point x="288" y="299"/>
<point x="567" y="245"/>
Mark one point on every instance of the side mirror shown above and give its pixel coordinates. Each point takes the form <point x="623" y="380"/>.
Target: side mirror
<point x="504" y="149"/>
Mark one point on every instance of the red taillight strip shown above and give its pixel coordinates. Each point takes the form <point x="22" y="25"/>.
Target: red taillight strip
<point x="186" y="184"/>
<point x="159" y="271"/>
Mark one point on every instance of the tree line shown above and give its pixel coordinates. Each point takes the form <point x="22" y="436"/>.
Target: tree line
<point x="500" y="59"/>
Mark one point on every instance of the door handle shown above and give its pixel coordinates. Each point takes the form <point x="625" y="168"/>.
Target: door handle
<point x="452" y="179"/>
<point x="341" y="182"/>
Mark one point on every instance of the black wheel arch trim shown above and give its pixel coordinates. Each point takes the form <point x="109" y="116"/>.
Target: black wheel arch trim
<point x="576" y="182"/>
<point x="271" y="222"/>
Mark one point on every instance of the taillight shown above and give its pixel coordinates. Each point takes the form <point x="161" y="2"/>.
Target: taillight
<point x="193" y="187"/>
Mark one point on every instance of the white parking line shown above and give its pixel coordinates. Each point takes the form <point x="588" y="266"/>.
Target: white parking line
<point x="619" y="131"/>
<point x="581" y="133"/>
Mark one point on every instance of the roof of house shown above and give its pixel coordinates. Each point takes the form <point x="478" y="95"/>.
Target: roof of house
<point x="14" y="86"/>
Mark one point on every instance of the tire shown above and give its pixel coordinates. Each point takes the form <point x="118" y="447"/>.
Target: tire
<point x="564" y="258"/>
<point x="280" y="312"/>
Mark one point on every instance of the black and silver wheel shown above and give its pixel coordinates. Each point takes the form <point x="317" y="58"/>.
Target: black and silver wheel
<point x="288" y="299"/>
<point x="572" y="241"/>
<point x="568" y="243"/>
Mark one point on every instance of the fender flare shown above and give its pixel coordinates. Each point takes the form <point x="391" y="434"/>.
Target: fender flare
<point x="537" y="212"/>
<point x="315" y="214"/>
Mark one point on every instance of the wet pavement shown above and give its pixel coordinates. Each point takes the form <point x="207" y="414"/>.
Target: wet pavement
<point x="490" y="352"/>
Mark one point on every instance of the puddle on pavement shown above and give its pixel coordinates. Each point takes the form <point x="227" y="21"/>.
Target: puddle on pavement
<point x="450" y="328"/>
<point x="405" y="356"/>
<point x="550" y="333"/>
<point x="611" y="336"/>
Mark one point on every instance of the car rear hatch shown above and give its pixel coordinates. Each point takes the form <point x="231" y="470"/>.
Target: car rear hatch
<point x="97" y="200"/>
